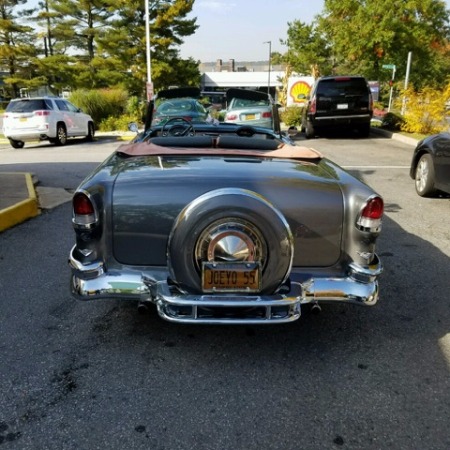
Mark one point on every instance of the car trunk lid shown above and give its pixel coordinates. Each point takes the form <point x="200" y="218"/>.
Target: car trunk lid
<point x="150" y="192"/>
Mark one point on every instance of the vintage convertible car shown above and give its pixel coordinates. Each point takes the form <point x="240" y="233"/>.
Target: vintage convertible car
<point x="430" y="165"/>
<point x="216" y="226"/>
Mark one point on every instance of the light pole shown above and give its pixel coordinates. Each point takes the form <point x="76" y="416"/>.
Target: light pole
<point x="270" y="61"/>
<point x="149" y="85"/>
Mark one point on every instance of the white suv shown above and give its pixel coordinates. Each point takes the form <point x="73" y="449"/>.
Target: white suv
<point x="45" y="118"/>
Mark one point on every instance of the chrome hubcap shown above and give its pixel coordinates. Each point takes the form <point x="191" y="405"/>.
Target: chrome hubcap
<point x="421" y="175"/>
<point x="230" y="240"/>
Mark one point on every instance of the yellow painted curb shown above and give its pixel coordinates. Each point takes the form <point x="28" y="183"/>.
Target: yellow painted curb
<point x="21" y="211"/>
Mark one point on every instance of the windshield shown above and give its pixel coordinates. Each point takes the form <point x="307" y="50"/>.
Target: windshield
<point x="28" y="105"/>
<point x="254" y="109"/>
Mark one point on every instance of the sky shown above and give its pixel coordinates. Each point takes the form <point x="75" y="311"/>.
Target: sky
<point x="237" y="29"/>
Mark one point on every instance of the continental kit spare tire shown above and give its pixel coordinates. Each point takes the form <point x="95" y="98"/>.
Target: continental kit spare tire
<point x="230" y="225"/>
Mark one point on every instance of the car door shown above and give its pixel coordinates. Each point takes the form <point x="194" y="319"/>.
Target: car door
<point x="79" y="118"/>
<point x="442" y="161"/>
<point x="67" y="116"/>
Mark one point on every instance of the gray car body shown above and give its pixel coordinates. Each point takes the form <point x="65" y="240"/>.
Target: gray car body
<point x="140" y="200"/>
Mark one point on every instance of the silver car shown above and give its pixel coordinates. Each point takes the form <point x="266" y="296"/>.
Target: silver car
<point x="248" y="111"/>
<point x="218" y="226"/>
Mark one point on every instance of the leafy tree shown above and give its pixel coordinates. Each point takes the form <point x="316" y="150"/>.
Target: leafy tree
<point x="102" y="43"/>
<point x="365" y="34"/>
<point x="16" y="47"/>
<point x="309" y="50"/>
<point x="84" y="22"/>
<point x="168" y="27"/>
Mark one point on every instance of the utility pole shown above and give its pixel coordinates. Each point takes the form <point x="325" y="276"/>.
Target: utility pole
<point x="408" y="69"/>
<point x="270" y="63"/>
<point x="149" y="85"/>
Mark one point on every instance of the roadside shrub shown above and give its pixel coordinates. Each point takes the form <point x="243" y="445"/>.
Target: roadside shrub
<point x="291" y="116"/>
<point x="219" y="115"/>
<point x="378" y="105"/>
<point x="392" y="122"/>
<point x="101" y="103"/>
<point x="424" y="111"/>
<point x="135" y="107"/>
<point x="120" y="123"/>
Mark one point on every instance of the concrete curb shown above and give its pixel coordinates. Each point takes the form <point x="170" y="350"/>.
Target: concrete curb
<point x="23" y="210"/>
<point x="395" y="136"/>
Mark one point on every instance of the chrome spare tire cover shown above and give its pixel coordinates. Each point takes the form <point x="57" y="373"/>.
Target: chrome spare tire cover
<point x="231" y="225"/>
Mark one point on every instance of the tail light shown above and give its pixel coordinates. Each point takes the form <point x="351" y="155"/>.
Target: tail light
<point x="42" y="113"/>
<point x="84" y="213"/>
<point x="313" y="106"/>
<point x="267" y="115"/>
<point x="231" y="117"/>
<point x="369" y="219"/>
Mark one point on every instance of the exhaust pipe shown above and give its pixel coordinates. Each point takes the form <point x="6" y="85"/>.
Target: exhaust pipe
<point x="143" y="308"/>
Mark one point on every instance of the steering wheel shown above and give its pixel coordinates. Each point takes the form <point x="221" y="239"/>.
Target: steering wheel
<point x="181" y="127"/>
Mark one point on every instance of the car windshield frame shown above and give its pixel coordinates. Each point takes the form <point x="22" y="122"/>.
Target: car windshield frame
<point x="196" y="94"/>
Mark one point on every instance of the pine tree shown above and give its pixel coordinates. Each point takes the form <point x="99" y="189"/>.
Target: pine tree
<point x="16" y="48"/>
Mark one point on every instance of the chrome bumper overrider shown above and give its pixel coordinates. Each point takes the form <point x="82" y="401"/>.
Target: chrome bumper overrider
<point x="91" y="282"/>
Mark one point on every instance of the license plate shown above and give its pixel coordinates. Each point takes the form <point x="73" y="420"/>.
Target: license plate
<point x="23" y="119"/>
<point x="231" y="277"/>
<point x="342" y="106"/>
<point x="250" y="117"/>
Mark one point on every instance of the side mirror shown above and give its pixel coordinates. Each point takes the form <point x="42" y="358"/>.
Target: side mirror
<point x="132" y="126"/>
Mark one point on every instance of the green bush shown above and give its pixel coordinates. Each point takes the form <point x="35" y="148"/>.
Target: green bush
<point x="392" y="122"/>
<point x="101" y="104"/>
<point x="219" y="115"/>
<point x="120" y="123"/>
<point x="291" y="116"/>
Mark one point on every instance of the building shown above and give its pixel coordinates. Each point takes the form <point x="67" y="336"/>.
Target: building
<point x="246" y="75"/>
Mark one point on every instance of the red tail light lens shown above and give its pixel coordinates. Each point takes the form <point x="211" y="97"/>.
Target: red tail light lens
<point x="83" y="210"/>
<point x="42" y="113"/>
<point x="371" y="214"/>
<point x="312" y="106"/>
<point x="232" y="117"/>
<point x="267" y="115"/>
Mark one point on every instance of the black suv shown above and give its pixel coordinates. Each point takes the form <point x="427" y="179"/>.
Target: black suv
<point x="338" y="102"/>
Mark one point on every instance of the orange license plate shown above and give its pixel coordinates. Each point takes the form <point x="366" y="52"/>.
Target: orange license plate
<point x="250" y="117"/>
<point x="231" y="277"/>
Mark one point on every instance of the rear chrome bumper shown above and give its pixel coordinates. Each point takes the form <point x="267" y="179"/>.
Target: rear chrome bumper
<point x="91" y="282"/>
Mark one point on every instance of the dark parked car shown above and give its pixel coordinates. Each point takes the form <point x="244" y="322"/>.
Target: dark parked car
<point x="338" y="102"/>
<point x="187" y="108"/>
<point x="430" y="165"/>
<point x="226" y="224"/>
